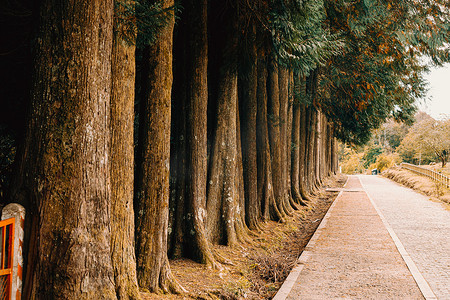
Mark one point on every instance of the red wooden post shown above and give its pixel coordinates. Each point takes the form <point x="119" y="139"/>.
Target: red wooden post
<point x="7" y="257"/>
<point x="16" y="214"/>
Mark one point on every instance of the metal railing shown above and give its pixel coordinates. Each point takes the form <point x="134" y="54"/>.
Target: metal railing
<point x="438" y="177"/>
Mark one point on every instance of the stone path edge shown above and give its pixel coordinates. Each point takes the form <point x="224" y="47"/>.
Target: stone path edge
<point x="423" y="285"/>
<point x="288" y="284"/>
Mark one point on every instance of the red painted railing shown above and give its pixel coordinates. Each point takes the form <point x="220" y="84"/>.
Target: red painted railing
<point x="6" y="257"/>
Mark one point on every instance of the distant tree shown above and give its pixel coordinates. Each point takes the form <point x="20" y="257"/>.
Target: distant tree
<point x="434" y="136"/>
<point x="395" y="134"/>
<point x="351" y="160"/>
<point x="427" y="139"/>
<point x="391" y="133"/>
<point x="421" y="116"/>
<point x="371" y="154"/>
<point x="385" y="161"/>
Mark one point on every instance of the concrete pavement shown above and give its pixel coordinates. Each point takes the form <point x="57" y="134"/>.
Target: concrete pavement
<point x="356" y="254"/>
<point x="423" y="226"/>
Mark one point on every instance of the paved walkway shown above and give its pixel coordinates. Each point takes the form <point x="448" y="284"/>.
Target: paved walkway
<point x="353" y="255"/>
<point x="422" y="226"/>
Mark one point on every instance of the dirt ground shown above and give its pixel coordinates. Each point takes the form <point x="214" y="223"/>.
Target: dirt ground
<point x="419" y="183"/>
<point x="259" y="266"/>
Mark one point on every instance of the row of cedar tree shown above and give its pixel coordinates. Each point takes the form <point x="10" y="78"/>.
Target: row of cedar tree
<point x="238" y="105"/>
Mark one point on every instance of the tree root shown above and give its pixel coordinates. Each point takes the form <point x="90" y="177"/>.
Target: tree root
<point x="222" y="259"/>
<point x="167" y="282"/>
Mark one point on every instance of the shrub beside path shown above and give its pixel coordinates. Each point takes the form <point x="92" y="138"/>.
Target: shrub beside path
<point x="351" y="256"/>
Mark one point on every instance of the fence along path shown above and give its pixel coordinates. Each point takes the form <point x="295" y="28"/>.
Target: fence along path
<point x="438" y="177"/>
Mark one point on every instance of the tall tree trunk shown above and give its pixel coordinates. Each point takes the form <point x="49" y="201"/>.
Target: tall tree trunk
<point x="314" y="149"/>
<point x="266" y="197"/>
<point x="221" y="192"/>
<point x="65" y="171"/>
<point x="283" y="84"/>
<point x="240" y="224"/>
<point x="122" y="163"/>
<point x="324" y="147"/>
<point x="312" y="133"/>
<point x="152" y="195"/>
<point x="274" y="121"/>
<point x="335" y="164"/>
<point x="248" y="104"/>
<point x="178" y="147"/>
<point x="295" y="204"/>
<point x="308" y="129"/>
<point x="303" y="147"/>
<point x="296" y="146"/>
<point x="311" y="127"/>
<point x="318" y="150"/>
<point x="221" y="204"/>
<point x="325" y="131"/>
<point x="197" y="97"/>
<point x="329" y="149"/>
<point x="318" y="131"/>
<point x="177" y="204"/>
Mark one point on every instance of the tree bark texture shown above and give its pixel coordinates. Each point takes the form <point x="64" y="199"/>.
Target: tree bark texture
<point x="283" y="87"/>
<point x="318" y="148"/>
<point x="221" y="192"/>
<point x="303" y="147"/>
<point x="248" y="103"/>
<point x="269" y="208"/>
<point x="273" y="109"/>
<point x="122" y="164"/>
<point x="240" y="224"/>
<point x="313" y="150"/>
<point x="296" y="144"/>
<point x="311" y="133"/>
<point x="178" y="146"/>
<point x="290" y="116"/>
<point x="197" y="104"/>
<point x="152" y="195"/>
<point x="65" y="159"/>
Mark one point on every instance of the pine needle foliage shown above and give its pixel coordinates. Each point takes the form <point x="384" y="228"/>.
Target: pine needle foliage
<point x="380" y="73"/>
<point x="299" y="35"/>
<point x="144" y="18"/>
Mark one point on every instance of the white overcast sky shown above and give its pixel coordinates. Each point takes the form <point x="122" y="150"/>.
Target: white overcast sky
<point x="438" y="99"/>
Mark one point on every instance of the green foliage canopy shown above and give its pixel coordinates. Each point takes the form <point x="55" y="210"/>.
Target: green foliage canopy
<point x="380" y="74"/>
